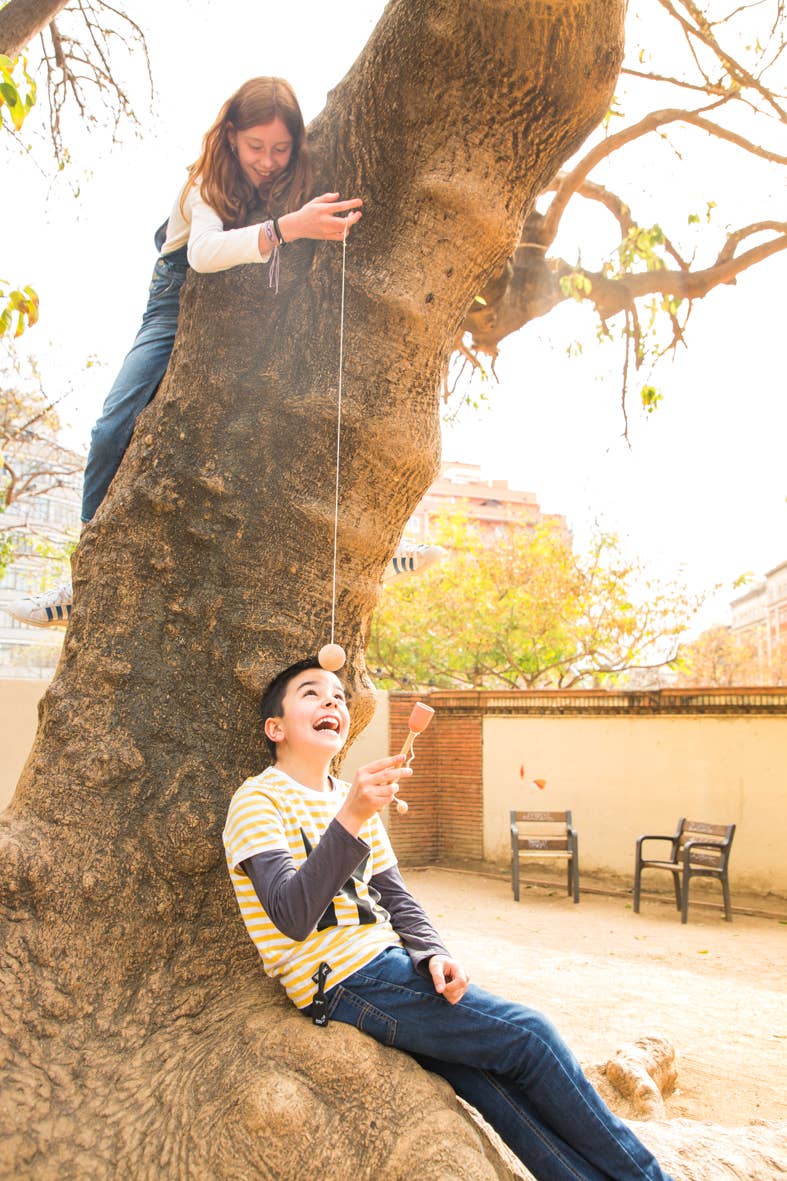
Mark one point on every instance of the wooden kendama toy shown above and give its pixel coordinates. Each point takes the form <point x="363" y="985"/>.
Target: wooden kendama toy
<point x="420" y="717"/>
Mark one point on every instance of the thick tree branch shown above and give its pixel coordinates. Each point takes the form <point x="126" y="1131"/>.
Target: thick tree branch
<point x="611" y="296"/>
<point x="603" y="196"/>
<point x="22" y="20"/>
<point x="535" y="287"/>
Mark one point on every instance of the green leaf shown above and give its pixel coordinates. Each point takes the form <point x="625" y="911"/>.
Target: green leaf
<point x="9" y="93"/>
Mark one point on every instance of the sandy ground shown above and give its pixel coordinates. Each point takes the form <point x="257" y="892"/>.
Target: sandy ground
<point x="606" y="976"/>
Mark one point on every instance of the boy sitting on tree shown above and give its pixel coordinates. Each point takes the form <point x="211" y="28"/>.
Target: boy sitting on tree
<point x="319" y="889"/>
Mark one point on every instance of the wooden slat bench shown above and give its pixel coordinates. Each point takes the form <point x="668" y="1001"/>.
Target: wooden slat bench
<point x="546" y="836"/>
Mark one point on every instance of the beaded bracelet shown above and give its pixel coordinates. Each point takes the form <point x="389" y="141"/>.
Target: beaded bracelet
<point x="273" y="270"/>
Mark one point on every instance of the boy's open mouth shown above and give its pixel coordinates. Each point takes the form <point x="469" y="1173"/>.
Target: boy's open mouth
<point x="328" y="724"/>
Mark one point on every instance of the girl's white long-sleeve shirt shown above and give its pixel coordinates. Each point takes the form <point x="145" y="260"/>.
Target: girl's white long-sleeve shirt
<point x="210" y="246"/>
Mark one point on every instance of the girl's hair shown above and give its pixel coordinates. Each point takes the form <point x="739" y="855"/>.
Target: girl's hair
<point x="222" y="184"/>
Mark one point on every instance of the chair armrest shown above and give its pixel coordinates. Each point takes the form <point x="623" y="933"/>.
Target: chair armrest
<point x="656" y="836"/>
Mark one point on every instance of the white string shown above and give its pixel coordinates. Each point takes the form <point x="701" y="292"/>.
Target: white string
<point x="338" y="437"/>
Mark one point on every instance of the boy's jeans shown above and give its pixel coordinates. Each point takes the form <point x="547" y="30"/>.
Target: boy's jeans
<point x="138" y="380"/>
<point x="507" y="1061"/>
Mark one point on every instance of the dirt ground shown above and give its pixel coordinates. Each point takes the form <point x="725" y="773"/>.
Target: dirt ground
<point x="607" y="976"/>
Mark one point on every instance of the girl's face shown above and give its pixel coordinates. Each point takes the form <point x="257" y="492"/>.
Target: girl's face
<point x="262" y="151"/>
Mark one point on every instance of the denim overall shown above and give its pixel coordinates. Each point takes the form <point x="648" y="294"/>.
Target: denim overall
<point x="139" y="377"/>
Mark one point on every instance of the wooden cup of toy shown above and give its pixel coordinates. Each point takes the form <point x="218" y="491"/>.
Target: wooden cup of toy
<point x="420" y="717"/>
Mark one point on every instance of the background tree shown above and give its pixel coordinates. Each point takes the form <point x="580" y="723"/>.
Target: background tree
<point x="721" y="657"/>
<point x="33" y="464"/>
<point x="139" y="1034"/>
<point x="522" y="611"/>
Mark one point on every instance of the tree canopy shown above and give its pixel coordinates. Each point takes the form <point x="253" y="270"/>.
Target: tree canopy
<point x="522" y="611"/>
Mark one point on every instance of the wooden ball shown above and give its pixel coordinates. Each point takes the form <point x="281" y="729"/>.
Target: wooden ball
<point x="401" y="806"/>
<point x="331" y="657"/>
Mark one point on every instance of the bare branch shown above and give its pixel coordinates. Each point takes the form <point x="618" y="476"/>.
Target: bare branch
<point x="716" y="88"/>
<point x="613" y="143"/>
<point x="733" y="138"/>
<point x="702" y="31"/>
<point x="758" y="227"/>
<point x="77" y="57"/>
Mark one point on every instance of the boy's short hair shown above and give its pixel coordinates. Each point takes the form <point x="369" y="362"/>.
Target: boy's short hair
<point x="272" y="701"/>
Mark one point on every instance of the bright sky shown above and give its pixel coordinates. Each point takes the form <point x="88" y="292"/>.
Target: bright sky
<point x="700" y="492"/>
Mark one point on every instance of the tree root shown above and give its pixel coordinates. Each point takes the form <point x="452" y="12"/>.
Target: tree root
<point x="644" y="1072"/>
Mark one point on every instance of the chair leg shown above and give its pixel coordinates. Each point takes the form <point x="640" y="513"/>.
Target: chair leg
<point x="569" y="875"/>
<point x="684" y="909"/>
<point x="725" y="885"/>
<point x="515" y="876"/>
<point x="676" y="885"/>
<point x="637" y="882"/>
<point x="575" y="868"/>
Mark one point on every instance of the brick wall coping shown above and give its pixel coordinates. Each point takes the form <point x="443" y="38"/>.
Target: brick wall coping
<point x="768" y="700"/>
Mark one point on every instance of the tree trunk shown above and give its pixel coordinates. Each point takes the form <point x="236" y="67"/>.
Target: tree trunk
<point x="141" y="1037"/>
<point x="22" y="20"/>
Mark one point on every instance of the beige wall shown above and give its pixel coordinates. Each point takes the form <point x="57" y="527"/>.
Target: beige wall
<point x="373" y="742"/>
<point x="624" y="776"/>
<point x="18" y="720"/>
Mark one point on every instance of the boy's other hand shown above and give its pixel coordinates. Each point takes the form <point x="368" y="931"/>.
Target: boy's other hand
<point x="373" y="787"/>
<point x="449" y="978"/>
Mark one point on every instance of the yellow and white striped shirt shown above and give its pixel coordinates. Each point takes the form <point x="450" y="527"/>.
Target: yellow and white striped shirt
<point x="274" y="812"/>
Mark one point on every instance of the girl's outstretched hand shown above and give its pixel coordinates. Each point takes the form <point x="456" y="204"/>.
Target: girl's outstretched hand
<point x="325" y="218"/>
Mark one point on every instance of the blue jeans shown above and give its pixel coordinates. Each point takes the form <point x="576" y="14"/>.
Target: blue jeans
<point x="138" y="380"/>
<point x="507" y="1061"/>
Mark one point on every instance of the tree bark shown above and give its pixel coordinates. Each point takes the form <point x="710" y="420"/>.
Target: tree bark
<point x="140" y="1035"/>
<point x="22" y="20"/>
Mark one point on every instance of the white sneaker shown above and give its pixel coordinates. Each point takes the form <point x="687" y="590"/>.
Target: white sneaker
<point x="50" y="608"/>
<point x="413" y="559"/>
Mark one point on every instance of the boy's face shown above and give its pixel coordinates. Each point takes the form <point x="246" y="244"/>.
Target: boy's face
<point x="314" y="714"/>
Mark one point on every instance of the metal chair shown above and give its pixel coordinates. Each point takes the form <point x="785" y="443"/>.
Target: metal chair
<point x="544" y="835"/>
<point x="697" y="850"/>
